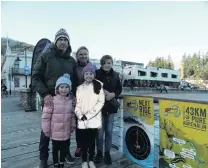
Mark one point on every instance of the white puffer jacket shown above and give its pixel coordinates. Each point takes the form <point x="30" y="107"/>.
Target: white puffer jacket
<point x="90" y="105"/>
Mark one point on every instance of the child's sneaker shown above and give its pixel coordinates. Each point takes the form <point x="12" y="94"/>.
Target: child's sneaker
<point x="77" y="153"/>
<point x="84" y="165"/>
<point x="69" y="159"/>
<point x="91" y="164"/>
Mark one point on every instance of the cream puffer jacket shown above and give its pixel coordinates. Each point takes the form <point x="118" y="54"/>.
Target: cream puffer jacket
<point x="90" y="105"/>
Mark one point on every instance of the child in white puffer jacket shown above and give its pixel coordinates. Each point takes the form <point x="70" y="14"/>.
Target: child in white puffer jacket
<point x="90" y="100"/>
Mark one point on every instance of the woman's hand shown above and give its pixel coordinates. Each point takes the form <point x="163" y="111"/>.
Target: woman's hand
<point x="110" y="96"/>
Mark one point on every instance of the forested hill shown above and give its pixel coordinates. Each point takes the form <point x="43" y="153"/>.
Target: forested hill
<point x="15" y="45"/>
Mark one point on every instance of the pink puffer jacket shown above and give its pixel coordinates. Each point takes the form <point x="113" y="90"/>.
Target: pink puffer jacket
<point x="58" y="122"/>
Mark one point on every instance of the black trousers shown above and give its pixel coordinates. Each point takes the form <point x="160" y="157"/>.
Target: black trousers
<point x="78" y="137"/>
<point x="43" y="146"/>
<point x="87" y="142"/>
<point x="59" y="146"/>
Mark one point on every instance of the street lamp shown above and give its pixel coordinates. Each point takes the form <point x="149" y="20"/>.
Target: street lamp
<point x="12" y="71"/>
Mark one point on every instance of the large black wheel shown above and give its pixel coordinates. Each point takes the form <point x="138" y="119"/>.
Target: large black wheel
<point x="138" y="143"/>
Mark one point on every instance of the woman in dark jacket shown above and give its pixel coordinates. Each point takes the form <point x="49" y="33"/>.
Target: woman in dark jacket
<point x="112" y="89"/>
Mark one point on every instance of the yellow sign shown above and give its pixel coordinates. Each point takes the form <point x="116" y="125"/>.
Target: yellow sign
<point x="183" y="134"/>
<point x="141" y="107"/>
<point x="138" y="116"/>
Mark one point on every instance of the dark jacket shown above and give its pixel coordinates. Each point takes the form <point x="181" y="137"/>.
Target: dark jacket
<point x="111" y="83"/>
<point x="49" y="67"/>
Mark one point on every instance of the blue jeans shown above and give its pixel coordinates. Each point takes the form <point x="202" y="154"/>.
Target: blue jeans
<point x="107" y="128"/>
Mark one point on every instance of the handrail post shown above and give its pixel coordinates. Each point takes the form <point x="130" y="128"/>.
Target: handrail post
<point x="121" y="126"/>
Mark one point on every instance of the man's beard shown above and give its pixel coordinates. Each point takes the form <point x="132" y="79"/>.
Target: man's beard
<point x="63" y="51"/>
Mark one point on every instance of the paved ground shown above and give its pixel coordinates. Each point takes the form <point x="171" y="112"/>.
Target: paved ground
<point x="20" y="139"/>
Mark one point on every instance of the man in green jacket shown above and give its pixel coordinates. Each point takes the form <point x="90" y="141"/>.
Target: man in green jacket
<point x="47" y="69"/>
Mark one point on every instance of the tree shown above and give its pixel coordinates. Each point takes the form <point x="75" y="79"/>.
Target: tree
<point x="204" y="74"/>
<point x="161" y="62"/>
<point x="14" y="45"/>
<point x="195" y="66"/>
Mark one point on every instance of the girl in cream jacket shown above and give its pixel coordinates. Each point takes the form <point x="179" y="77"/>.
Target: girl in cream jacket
<point x="90" y="100"/>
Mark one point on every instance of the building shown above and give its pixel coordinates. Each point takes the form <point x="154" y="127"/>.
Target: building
<point x="128" y="63"/>
<point x="182" y="72"/>
<point x="150" y="76"/>
<point x="13" y="69"/>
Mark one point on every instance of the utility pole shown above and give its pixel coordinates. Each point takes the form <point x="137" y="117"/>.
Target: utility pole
<point x="10" y="81"/>
<point x="25" y="66"/>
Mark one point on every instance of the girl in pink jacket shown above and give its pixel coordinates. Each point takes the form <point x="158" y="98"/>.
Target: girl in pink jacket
<point x="58" y="121"/>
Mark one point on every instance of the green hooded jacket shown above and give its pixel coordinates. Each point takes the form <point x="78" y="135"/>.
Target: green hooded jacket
<point x="49" y="67"/>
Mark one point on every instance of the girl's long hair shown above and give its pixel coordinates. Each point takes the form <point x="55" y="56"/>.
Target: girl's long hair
<point x="96" y="86"/>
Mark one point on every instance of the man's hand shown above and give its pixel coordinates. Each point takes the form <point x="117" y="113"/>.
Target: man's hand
<point x="48" y="100"/>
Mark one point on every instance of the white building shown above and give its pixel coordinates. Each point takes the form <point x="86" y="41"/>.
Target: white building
<point x="13" y="73"/>
<point x="133" y="72"/>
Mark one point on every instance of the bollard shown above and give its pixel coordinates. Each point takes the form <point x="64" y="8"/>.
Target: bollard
<point x="28" y="100"/>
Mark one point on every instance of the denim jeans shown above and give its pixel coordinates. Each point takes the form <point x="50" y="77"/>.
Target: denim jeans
<point x="107" y="128"/>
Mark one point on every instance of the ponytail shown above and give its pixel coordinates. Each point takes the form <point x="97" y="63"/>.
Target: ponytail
<point x="96" y="86"/>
